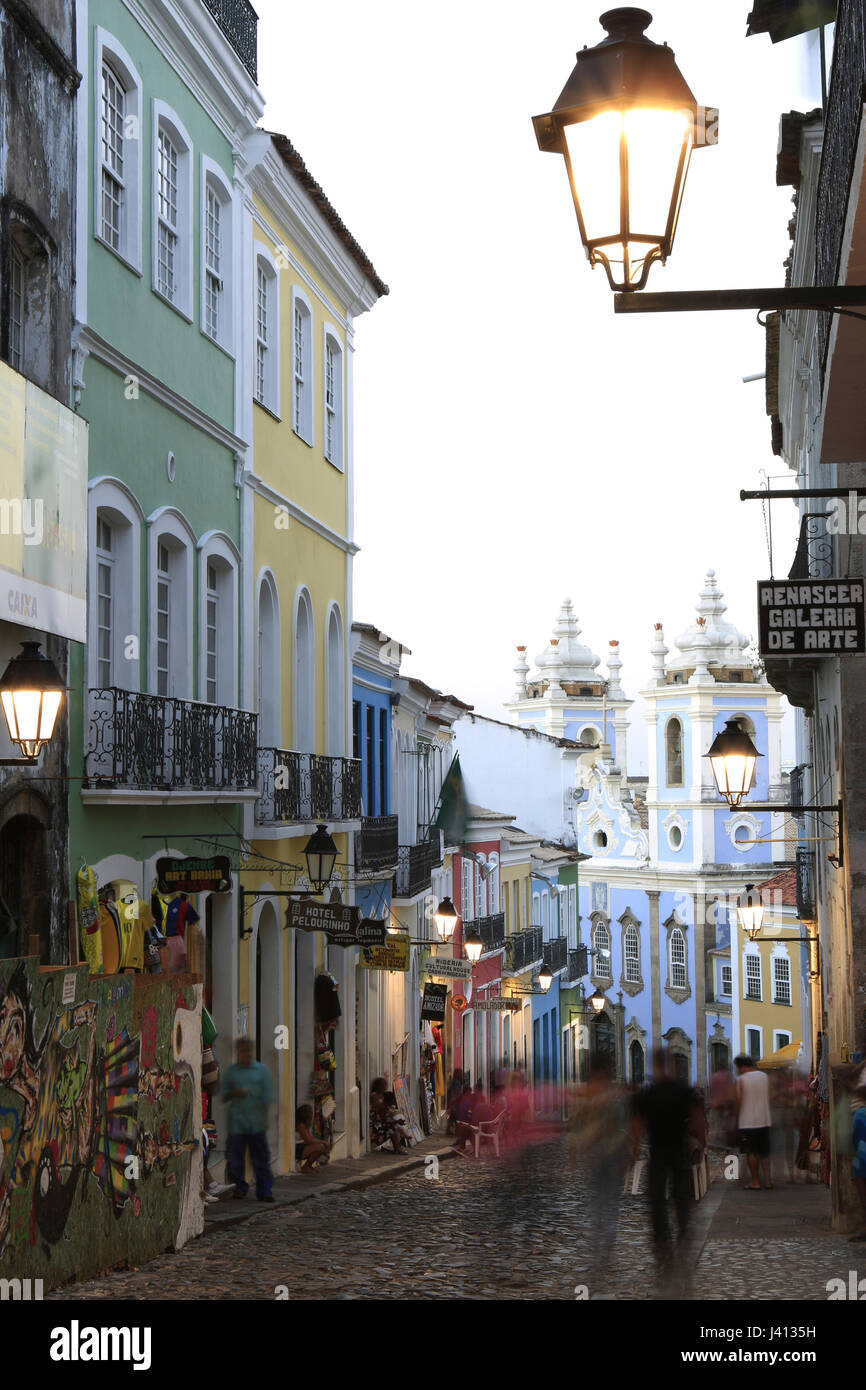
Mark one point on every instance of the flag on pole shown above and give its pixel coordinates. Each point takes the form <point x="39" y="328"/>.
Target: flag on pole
<point x="453" y="814"/>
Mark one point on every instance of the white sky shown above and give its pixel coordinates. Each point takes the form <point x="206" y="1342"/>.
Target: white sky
<point x="515" y="442"/>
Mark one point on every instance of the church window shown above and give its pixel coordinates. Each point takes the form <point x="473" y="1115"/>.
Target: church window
<point x="632" y="955"/>
<point x="679" y="978"/>
<point x="674" y="753"/>
<point x="602" y="949"/>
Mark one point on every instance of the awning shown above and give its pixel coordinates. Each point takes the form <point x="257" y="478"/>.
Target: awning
<point x="785" y="1057"/>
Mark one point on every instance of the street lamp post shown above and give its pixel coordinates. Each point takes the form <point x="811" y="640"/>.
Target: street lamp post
<point x="31" y="694"/>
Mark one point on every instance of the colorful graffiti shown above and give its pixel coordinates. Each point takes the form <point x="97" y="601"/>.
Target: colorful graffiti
<point x="85" y="1128"/>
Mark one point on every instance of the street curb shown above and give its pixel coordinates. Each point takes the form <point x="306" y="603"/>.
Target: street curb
<point x="331" y="1189"/>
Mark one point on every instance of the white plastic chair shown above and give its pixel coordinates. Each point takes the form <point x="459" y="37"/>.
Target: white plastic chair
<point x="490" y="1130"/>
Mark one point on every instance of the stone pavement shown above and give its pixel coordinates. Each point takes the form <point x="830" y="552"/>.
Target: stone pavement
<point x="519" y="1228"/>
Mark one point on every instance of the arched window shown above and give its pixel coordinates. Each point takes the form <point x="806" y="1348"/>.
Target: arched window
<point x="114" y="586"/>
<point x="216" y="254"/>
<point x="302" y="366"/>
<point x="493" y="884"/>
<point x="117" y="150"/>
<point x="218" y="620"/>
<point x="336" y="692"/>
<point x="631" y="955"/>
<point x="172" y="209"/>
<point x="170" y="564"/>
<point x="674" y="753"/>
<point x="268" y="664"/>
<point x="266" y="378"/>
<point x="677" y="952"/>
<point x="748" y="727"/>
<point x="636" y="1063"/>
<point x="590" y="736"/>
<point x="601" y="942"/>
<point x="304" y="684"/>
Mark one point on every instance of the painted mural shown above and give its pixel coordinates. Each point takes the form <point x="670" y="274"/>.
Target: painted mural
<point x="100" y="1118"/>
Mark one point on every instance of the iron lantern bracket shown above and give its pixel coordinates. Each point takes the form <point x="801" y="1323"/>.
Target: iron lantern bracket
<point x="831" y="298"/>
<point x="256" y="893"/>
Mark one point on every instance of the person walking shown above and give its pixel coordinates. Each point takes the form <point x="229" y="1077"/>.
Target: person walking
<point x="855" y="1081"/>
<point x="754" y="1120"/>
<point x="599" y="1136"/>
<point x="248" y="1090"/>
<point x="672" y="1117"/>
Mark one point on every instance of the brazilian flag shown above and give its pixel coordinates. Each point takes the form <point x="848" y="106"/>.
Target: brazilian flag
<point x="453" y="814"/>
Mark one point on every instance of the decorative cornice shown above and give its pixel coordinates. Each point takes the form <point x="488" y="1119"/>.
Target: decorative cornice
<point x="270" y="494"/>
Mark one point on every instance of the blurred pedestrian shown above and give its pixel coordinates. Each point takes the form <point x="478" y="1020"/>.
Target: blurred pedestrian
<point x="855" y="1081"/>
<point x="672" y="1117"/>
<point x="248" y="1089"/>
<point x="723" y="1108"/>
<point x="599" y="1136"/>
<point x="754" y="1120"/>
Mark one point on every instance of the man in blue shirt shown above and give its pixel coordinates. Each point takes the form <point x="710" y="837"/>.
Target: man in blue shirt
<point x="248" y="1090"/>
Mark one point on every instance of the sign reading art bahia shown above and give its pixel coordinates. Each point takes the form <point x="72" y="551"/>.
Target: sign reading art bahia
<point x="194" y="875"/>
<point x="811" y="617"/>
<point x="43" y="510"/>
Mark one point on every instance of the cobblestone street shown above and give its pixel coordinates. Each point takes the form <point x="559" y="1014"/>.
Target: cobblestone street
<point x="493" y="1230"/>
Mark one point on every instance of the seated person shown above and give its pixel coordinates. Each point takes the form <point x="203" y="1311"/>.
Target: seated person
<point x="308" y="1149"/>
<point x="394" y="1123"/>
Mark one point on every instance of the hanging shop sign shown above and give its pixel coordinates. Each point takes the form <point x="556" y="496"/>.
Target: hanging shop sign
<point x="458" y="1003"/>
<point x="434" y="1002"/>
<point x="811" y="618"/>
<point x="368" y="933"/>
<point x="194" y="875"/>
<point x="393" y="955"/>
<point x="496" y="1005"/>
<point x="334" y="918"/>
<point x="449" y="969"/>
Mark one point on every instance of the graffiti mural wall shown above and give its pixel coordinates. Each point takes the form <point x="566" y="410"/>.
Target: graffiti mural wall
<point x="100" y="1119"/>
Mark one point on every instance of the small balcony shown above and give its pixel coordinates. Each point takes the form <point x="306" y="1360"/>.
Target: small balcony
<point x="156" y="743"/>
<point x="556" y="953"/>
<point x="299" y="787"/>
<point x="578" y="963"/>
<point x="376" y="844"/>
<point x="415" y="865"/>
<point x="239" y="22"/>
<point x="806" y="906"/>
<point x="492" y="932"/>
<point x="523" y="949"/>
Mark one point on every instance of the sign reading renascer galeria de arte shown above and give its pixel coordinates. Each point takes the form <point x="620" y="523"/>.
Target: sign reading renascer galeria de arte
<point x="811" y="617"/>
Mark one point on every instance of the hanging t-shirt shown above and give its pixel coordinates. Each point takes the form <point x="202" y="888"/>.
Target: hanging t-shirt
<point x="179" y="912"/>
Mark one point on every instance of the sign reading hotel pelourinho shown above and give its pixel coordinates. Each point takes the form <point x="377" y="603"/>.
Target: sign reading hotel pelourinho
<point x="43" y="510"/>
<point x="449" y="969"/>
<point x="335" y="918"/>
<point x="807" y="617"/>
<point x="194" y="875"/>
<point x="394" y="955"/>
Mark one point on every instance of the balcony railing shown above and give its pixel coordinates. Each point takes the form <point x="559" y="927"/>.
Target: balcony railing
<point x="841" y="129"/>
<point x="556" y="953"/>
<point x="415" y="866"/>
<point x="578" y="963"/>
<point x="806" y="907"/>
<point x="376" y="845"/>
<point x="298" y="787"/>
<point x="160" y="743"/>
<point x="238" y="21"/>
<point x="492" y="931"/>
<point x="523" y="949"/>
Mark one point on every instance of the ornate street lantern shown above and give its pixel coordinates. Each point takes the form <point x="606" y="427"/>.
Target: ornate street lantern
<point x="732" y="757"/>
<point x="445" y="918"/>
<point x="626" y="123"/>
<point x="472" y="944"/>
<point x="321" y="856"/>
<point x="545" y="977"/>
<point x="750" y="911"/>
<point x="31" y="692"/>
<point x="597" y="1001"/>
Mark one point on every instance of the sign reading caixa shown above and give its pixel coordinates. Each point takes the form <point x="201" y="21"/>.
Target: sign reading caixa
<point x="811" y="617"/>
<point x="194" y="875"/>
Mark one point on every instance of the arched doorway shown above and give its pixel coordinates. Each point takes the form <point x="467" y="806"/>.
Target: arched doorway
<point x="25" y="905"/>
<point x="637" y="1071"/>
<point x="602" y="1040"/>
<point x="719" y="1057"/>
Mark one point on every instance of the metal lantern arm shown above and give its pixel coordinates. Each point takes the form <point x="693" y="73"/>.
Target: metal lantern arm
<point x="830" y="298"/>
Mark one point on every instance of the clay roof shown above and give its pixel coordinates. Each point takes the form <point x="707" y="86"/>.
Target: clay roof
<point x="298" y="168"/>
<point x="784" y="883"/>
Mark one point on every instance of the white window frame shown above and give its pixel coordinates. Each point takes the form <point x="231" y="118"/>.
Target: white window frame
<point x="167" y="120"/>
<point x="467" y="890"/>
<point x="754" y="956"/>
<point x="729" y="992"/>
<point x="269" y="682"/>
<point x="108" y="50"/>
<point x="333" y="415"/>
<point x="304" y="706"/>
<point x="302" y="391"/>
<point x="572" y="917"/>
<point x="631" y="933"/>
<point x="480" y="893"/>
<point x="754" y="1028"/>
<point x="678" y="933"/>
<point x="782" y="959"/>
<point x="213" y="178"/>
<point x="126" y="518"/>
<point x="602" y="952"/>
<point x="217" y="547"/>
<point x="335" y="700"/>
<point x="493" y="901"/>
<point x="262" y="259"/>
<point x="169" y="522"/>
<point x="778" y="1035"/>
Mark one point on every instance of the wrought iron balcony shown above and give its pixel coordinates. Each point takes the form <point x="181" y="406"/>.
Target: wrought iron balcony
<point x="806" y="906"/>
<point x="556" y="953"/>
<point x="160" y="743"/>
<point x="578" y="963"/>
<point x="298" y="787"/>
<point x="376" y="844"/>
<point x="522" y="949"/>
<point x="492" y="931"/>
<point x="239" y="22"/>
<point x="415" y="865"/>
